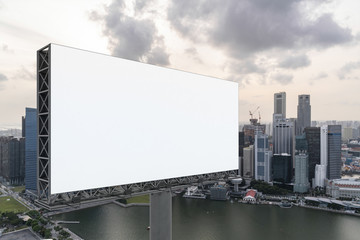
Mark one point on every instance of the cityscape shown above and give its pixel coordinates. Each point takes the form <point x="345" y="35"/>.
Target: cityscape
<point x="296" y="67"/>
<point x="290" y="162"/>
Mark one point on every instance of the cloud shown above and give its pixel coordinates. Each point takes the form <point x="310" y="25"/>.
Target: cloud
<point x="3" y="78"/>
<point x="347" y="69"/>
<point x="5" y="48"/>
<point x="283" y="79"/>
<point x="321" y="75"/>
<point x="294" y="62"/>
<point x="247" y="27"/>
<point x="131" y="37"/>
<point x="25" y="74"/>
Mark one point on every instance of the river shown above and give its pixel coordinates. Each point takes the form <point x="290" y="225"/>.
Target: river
<point x="213" y="220"/>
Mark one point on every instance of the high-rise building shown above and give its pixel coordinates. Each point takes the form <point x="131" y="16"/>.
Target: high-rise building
<point x="320" y="176"/>
<point x="283" y="136"/>
<point x="301" y="165"/>
<point x="31" y="149"/>
<point x="262" y="158"/>
<point x="248" y="161"/>
<point x="313" y="149"/>
<point x="334" y="152"/>
<point x="280" y="103"/>
<point x="347" y="134"/>
<point x="301" y="173"/>
<point x="282" y="169"/>
<point x="12" y="160"/>
<point x="324" y="145"/>
<point x="303" y="113"/>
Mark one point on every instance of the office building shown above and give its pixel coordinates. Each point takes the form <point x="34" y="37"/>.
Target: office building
<point x="301" y="173"/>
<point x="303" y="113"/>
<point x="313" y="149"/>
<point x="324" y="145"/>
<point x="262" y="158"/>
<point x="280" y="103"/>
<point x="31" y="149"/>
<point x="283" y="136"/>
<point x="347" y="134"/>
<point x="12" y="160"/>
<point x="320" y="176"/>
<point x="282" y="169"/>
<point x="248" y="161"/>
<point x="334" y="152"/>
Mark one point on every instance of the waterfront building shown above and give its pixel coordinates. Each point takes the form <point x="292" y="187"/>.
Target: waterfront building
<point x="313" y="149"/>
<point x="250" y="195"/>
<point x="303" y="113"/>
<point x="248" y="161"/>
<point x="301" y="173"/>
<point x="219" y="192"/>
<point x="280" y="103"/>
<point x="262" y="158"/>
<point x="31" y="149"/>
<point x="282" y="169"/>
<point x="343" y="188"/>
<point x="334" y="152"/>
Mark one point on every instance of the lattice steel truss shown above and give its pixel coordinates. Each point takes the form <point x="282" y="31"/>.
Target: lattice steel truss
<point x="44" y="153"/>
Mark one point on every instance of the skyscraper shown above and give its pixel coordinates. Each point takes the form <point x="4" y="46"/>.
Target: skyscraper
<point x="301" y="173"/>
<point x="12" y="160"/>
<point x="303" y="113"/>
<point x="262" y="158"/>
<point x="31" y="149"/>
<point x="301" y="165"/>
<point x="282" y="169"/>
<point x="334" y="152"/>
<point x="248" y="161"/>
<point x="283" y="136"/>
<point x="313" y="145"/>
<point x="280" y="103"/>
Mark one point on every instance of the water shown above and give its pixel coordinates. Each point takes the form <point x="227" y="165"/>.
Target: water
<point x="212" y="220"/>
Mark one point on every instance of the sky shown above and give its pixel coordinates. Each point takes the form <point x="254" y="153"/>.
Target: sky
<point x="267" y="46"/>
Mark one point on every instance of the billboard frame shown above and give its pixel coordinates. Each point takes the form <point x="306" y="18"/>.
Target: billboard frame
<point x="45" y="198"/>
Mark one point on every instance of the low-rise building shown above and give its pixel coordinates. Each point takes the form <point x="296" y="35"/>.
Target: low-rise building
<point x="250" y="195"/>
<point x="343" y="188"/>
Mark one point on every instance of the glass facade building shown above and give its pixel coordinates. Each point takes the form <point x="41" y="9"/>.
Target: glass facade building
<point x="31" y="149"/>
<point x="334" y="152"/>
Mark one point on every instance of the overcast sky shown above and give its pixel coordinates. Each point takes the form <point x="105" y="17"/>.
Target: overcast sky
<point x="297" y="46"/>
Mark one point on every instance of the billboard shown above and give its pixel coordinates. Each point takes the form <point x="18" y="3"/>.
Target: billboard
<point x="115" y="121"/>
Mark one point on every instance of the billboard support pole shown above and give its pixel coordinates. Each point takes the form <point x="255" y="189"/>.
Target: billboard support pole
<point x="161" y="215"/>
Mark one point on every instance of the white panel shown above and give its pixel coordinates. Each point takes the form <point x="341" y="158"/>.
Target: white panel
<point x="115" y="121"/>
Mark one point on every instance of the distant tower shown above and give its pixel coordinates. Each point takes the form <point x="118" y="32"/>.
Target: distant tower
<point x="301" y="165"/>
<point x="262" y="158"/>
<point x="31" y="149"/>
<point x="248" y="161"/>
<point x="313" y="141"/>
<point x="324" y="145"/>
<point x="280" y="103"/>
<point x="303" y="114"/>
<point x="283" y="136"/>
<point x="334" y="152"/>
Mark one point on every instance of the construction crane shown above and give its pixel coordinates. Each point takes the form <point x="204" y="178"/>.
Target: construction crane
<point x="259" y="118"/>
<point x="252" y="113"/>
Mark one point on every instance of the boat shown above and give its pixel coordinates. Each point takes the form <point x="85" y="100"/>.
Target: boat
<point x="285" y="204"/>
<point x="193" y="192"/>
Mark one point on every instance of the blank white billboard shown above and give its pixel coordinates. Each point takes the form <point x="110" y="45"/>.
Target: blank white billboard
<point x="115" y="122"/>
